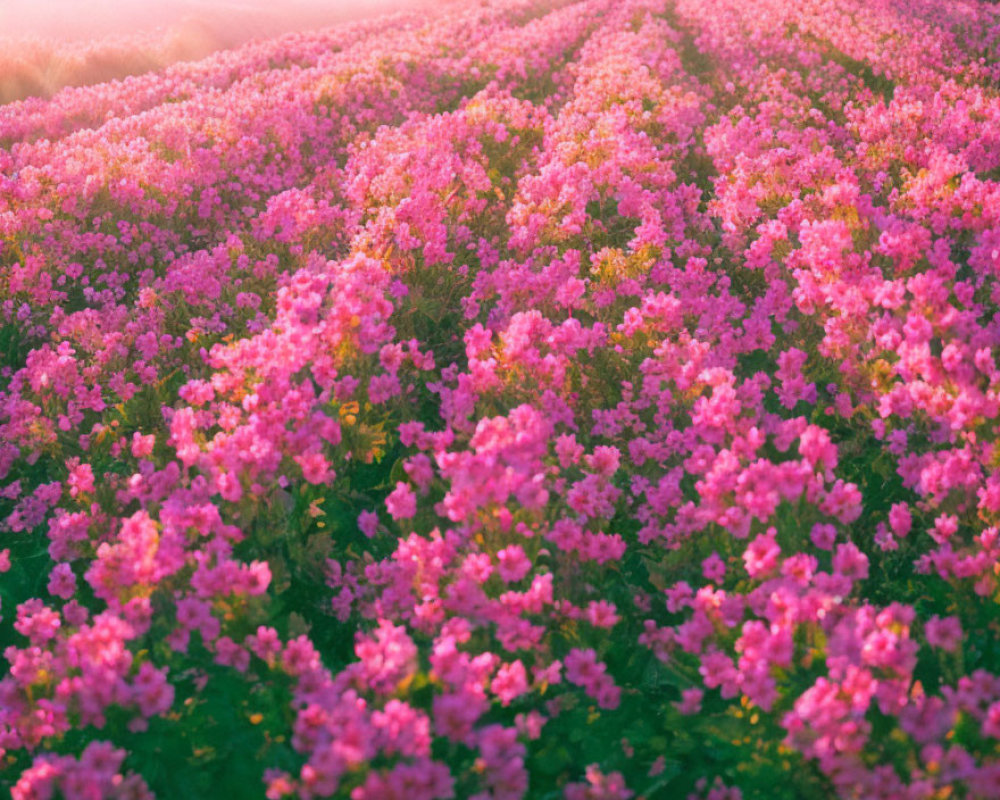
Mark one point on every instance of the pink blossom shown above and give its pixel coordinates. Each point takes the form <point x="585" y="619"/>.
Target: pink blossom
<point x="513" y="563"/>
<point x="761" y="557"/>
<point x="62" y="581"/>
<point x="945" y="632"/>
<point x="510" y="682"/>
<point x="401" y="502"/>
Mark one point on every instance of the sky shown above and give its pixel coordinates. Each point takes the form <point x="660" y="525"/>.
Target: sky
<point x="80" y="20"/>
<point x="46" y="45"/>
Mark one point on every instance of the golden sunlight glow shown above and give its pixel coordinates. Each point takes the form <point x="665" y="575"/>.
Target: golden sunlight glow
<point x="48" y="44"/>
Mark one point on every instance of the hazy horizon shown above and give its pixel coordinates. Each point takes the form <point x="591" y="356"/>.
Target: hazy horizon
<point x="47" y="45"/>
<point x="84" y="20"/>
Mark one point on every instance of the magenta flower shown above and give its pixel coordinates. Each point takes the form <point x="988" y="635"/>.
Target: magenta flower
<point x="761" y="557"/>
<point x="401" y="502"/>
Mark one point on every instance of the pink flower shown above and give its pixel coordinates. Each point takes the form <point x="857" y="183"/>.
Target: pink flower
<point x="850" y="562"/>
<point x="513" y="563"/>
<point x="943" y="632"/>
<point x="142" y="446"/>
<point x="604" y="460"/>
<point x="151" y="691"/>
<point x="718" y="670"/>
<point x="455" y="714"/>
<point x="568" y="450"/>
<point x="601" y="614"/>
<point x="265" y="644"/>
<point x="402" y="502"/>
<point x="690" y="702"/>
<point x="62" y="581"/>
<point x="823" y="535"/>
<point x="714" y="568"/>
<point x="315" y="468"/>
<point x="761" y="557"/>
<point x="945" y="526"/>
<point x="81" y="478"/>
<point x="599" y="786"/>
<point x="678" y="596"/>
<point x="991" y="724"/>
<point x="530" y="725"/>
<point x="388" y="657"/>
<point x="368" y="523"/>
<point x="511" y="681"/>
<point x="900" y="520"/>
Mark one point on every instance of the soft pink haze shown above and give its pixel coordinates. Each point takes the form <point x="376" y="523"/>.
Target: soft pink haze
<point x="47" y="45"/>
<point x="79" y="20"/>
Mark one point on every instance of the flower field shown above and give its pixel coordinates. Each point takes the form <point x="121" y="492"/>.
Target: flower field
<point x="590" y="399"/>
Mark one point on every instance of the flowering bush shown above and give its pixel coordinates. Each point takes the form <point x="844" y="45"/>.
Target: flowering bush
<point x="589" y="399"/>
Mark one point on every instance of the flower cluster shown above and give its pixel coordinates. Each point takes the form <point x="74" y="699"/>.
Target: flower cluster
<point x="589" y="398"/>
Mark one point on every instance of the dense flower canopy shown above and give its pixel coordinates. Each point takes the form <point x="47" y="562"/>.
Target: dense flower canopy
<point x="591" y="399"/>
